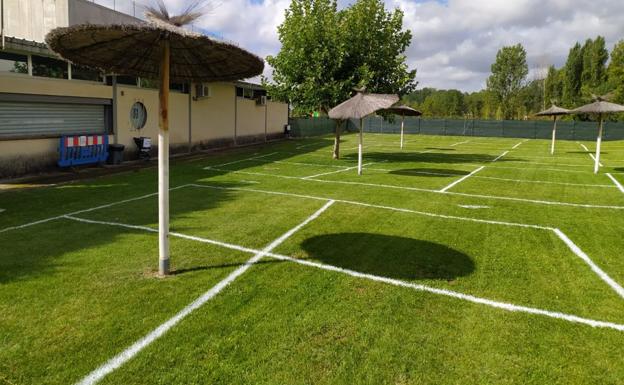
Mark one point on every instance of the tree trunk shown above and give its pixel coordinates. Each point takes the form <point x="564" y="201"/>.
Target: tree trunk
<point x="336" y="154"/>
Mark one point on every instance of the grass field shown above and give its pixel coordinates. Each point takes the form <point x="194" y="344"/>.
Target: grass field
<point x="457" y="260"/>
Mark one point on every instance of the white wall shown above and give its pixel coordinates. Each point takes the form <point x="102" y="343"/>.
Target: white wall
<point x="33" y="19"/>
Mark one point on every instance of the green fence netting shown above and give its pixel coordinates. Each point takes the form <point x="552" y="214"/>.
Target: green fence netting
<point x="532" y="129"/>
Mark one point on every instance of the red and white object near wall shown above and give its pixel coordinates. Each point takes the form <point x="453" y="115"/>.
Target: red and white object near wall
<point x="82" y="149"/>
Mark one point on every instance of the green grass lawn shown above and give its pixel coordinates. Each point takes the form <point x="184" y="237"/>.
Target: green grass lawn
<point x="415" y="272"/>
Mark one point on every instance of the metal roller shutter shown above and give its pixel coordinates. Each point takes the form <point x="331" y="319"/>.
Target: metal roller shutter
<point x="41" y="119"/>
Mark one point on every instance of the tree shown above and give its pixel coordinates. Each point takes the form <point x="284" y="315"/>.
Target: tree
<point x="594" y="73"/>
<point x="326" y="53"/>
<point x="509" y="72"/>
<point x="616" y="72"/>
<point x="306" y="71"/>
<point x="553" y="86"/>
<point x="572" y="80"/>
<point x="375" y="45"/>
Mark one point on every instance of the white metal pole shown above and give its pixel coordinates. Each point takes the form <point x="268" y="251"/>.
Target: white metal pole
<point x="360" y="148"/>
<point x="163" y="163"/>
<point x="598" y="141"/>
<point x="402" y="123"/>
<point x="554" y="135"/>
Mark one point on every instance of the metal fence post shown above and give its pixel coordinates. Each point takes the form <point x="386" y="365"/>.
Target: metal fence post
<point x="502" y="128"/>
<point x="419" y="120"/>
<point x="444" y="127"/>
<point x="574" y="130"/>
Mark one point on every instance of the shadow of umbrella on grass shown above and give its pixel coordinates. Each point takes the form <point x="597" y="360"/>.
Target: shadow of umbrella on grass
<point x="161" y="49"/>
<point x="432" y="172"/>
<point x="389" y="256"/>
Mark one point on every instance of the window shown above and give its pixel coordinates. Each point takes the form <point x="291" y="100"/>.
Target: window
<point x="85" y="73"/>
<point x="179" y="87"/>
<point x="129" y="80"/>
<point x="49" y="67"/>
<point x="11" y="62"/>
<point x="138" y="115"/>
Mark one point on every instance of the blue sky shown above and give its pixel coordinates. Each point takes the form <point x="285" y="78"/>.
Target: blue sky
<point x="454" y="42"/>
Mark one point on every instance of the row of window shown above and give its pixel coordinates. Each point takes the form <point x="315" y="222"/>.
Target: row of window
<point x="250" y="93"/>
<point x="53" y="68"/>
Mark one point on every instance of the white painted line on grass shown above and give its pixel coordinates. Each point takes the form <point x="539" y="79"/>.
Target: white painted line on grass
<point x="457" y="144"/>
<point x="395" y="282"/>
<point x="500" y="156"/>
<point x="617" y="184"/>
<point x="497" y="178"/>
<point x="2" y="210"/>
<point x="518" y="144"/>
<point x="335" y="172"/>
<point x="576" y="250"/>
<point x="497" y="197"/>
<point x="445" y="189"/>
<point x="391" y="208"/>
<point x="242" y="160"/>
<point x="453" y="294"/>
<point x="139" y="345"/>
<point x="308" y="145"/>
<point x="87" y="210"/>
<point x="474" y="206"/>
<point x="590" y="154"/>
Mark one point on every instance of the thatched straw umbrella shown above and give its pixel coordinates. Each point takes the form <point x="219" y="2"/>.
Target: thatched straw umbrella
<point x="553" y="111"/>
<point x="404" y="111"/>
<point x="599" y="108"/>
<point x="359" y="107"/>
<point x="160" y="49"/>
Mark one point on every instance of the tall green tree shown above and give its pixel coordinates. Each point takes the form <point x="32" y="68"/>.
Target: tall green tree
<point x="594" y="73"/>
<point x="375" y="45"/>
<point x="553" y="86"/>
<point x="572" y="82"/>
<point x="308" y="69"/>
<point x="509" y="72"/>
<point x="616" y="72"/>
<point x="326" y="53"/>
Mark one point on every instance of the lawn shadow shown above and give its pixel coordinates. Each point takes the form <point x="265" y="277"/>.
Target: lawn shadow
<point x="389" y="256"/>
<point x="431" y="172"/>
<point x="38" y="250"/>
<point x="429" y="157"/>
<point x="221" y="266"/>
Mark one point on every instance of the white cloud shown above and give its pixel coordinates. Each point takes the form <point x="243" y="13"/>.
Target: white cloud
<point x="454" y="42"/>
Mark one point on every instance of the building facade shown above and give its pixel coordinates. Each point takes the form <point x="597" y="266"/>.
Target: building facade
<point x="43" y="98"/>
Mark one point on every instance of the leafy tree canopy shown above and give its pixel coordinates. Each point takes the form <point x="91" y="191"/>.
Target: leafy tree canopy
<point x="326" y="53"/>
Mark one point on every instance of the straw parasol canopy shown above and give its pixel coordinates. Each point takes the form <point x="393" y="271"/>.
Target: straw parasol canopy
<point x="553" y="111"/>
<point x="360" y="106"/>
<point x="161" y="49"/>
<point x="134" y="49"/>
<point x="404" y="111"/>
<point x="600" y="108"/>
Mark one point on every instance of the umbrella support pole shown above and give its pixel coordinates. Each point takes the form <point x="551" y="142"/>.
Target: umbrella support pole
<point x="360" y="148"/>
<point x="163" y="163"/>
<point x="402" y="124"/>
<point x="554" y="135"/>
<point x="598" y="142"/>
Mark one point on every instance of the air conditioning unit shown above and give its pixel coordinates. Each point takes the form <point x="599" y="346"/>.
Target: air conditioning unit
<point x="261" y="101"/>
<point x="202" y="91"/>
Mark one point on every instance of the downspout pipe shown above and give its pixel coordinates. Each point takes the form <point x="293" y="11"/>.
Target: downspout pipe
<point x="2" y="22"/>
